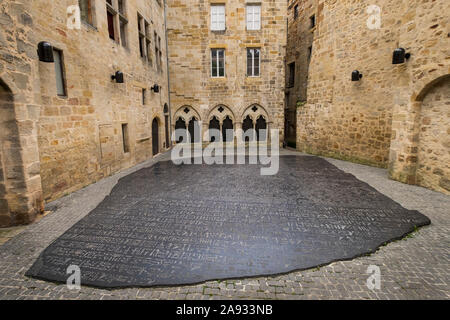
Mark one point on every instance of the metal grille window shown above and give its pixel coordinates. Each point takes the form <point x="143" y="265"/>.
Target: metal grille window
<point x="253" y="17"/>
<point x="217" y="63"/>
<point x="218" y="17"/>
<point x="253" y="62"/>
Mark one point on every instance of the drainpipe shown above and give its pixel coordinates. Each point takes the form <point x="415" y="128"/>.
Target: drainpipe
<point x="168" y="74"/>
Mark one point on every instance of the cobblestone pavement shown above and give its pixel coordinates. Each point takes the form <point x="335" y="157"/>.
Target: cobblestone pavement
<point x="416" y="267"/>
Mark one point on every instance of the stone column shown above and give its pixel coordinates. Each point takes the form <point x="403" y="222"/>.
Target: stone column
<point x="205" y="137"/>
<point x="238" y="130"/>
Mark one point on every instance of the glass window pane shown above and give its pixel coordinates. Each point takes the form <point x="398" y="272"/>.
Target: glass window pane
<point x="59" y="73"/>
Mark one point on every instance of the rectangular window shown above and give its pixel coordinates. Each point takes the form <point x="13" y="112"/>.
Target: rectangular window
<point x="86" y="11"/>
<point x="121" y="4"/>
<point x="296" y="12"/>
<point x="123" y="22"/>
<point x="142" y="46"/>
<point x="217" y="63"/>
<point x="253" y="17"/>
<point x="59" y="72"/>
<point x="217" y="17"/>
<point x="123" y="31"/>
<point x="117" y="21"/>
<point x="158" y="52"/>
<point x="111" y="27"/>
<point x="125" y="137"/>
<point x="253" y="62"/>
<point x="291" y="74"/>
<point x="309" y="53"/>
<point x="312" y="21"/>
<point x="144" y="39"/>
<point x="144" y="93"/>
<point x="148" y="42"/>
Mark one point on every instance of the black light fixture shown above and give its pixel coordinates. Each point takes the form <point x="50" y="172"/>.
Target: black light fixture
<point x="155" y="88"/>
<point x="45" y="52"/>
<point x="356" y="75"/>
<point x="400" y="55"/>
<point x="118" y="76"/>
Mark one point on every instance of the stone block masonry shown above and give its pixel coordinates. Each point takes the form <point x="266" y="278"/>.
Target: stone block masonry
<point x="397" y="115"/>
<point x="236" y="93"/>
<point x="55" y="142"/>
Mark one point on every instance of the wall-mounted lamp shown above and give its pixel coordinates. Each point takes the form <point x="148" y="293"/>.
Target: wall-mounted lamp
<point x="356" y="75"/>
<point x="400" y="55"/>
<point x="155" y="88"/>
<point x="118" y="76"/>
<point x="45" y="52"/>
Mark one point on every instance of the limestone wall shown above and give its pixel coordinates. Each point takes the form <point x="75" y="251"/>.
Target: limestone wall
<point x="374" y="120"/>
<point x="20" y="182"/>
<point x="80" y="135"/>
<point x="53" y="145"/>
<point x="190" y="44"/>
<point x="299" y="44"/>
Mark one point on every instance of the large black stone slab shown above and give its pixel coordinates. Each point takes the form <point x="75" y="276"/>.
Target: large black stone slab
<point x="173" y="225"/>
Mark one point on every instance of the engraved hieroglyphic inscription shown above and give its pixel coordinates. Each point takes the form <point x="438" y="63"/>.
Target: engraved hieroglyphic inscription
<point x="171" y="225"/>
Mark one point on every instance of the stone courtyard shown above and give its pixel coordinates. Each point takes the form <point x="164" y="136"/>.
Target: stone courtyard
<point x="415" y="267"/>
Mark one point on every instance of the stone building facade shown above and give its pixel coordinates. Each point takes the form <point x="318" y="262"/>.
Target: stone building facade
<point x="67" y="124"/>
<point x="396" y="116"/>
<point x="301" y="26"/>
<point x="206" y="35"/>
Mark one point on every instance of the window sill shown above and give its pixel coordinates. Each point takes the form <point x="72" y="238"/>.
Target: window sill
<point x="252" y="78"/>
<point x="89" y="26"/>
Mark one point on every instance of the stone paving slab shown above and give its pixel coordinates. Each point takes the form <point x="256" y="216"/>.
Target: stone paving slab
<point x="174" y="225"/>
<point x="413" y="268"/>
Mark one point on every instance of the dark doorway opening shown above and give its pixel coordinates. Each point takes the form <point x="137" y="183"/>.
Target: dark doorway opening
<point x="247" y="127"/>
<point x="214" y="124"/>
<point x="155" y="136"/>
<point x="166" y="121"/>
<point x="180" y="131"/>
<point x="261" y="129"/>
<point x="227" y="125"/>
<point x="194" y="130"/>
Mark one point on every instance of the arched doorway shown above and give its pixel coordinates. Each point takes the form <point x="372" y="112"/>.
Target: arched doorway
<point x="194" y="130"/>
<point x="13" y="187"/>
<point x="180" y="130"/>
<point x="155" y="136"/>
<point x="261" y="129"/>
<point x="214" y="125"/>
<point x="227" y="125"/>
<point x="247" y="127"/>
<point x="433" y="157"/>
